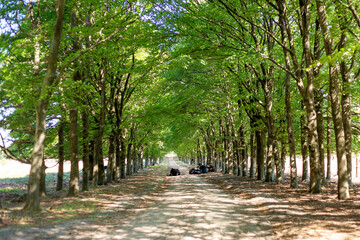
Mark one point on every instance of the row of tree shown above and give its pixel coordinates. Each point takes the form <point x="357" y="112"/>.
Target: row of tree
<point x="80" y="78"/>
<point x="131" y="80"/>
<point x="275" y="76"/>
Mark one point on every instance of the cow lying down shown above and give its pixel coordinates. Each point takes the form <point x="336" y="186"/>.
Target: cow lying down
<point x="174" y="172"/>
<point x="202" y="169"/>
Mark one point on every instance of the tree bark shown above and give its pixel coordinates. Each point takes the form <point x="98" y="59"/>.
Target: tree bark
<point x="33" y="196"/>
<point x="74" y="152"/>
<point x="343" y="180"/>
<point x="346" y="107"/>
<point x="86" y="151"/>
<point x="304" y="149"/>
<point x="129" y="154"/>
<point x="43" y="180"/>
<point x="260" y="146"/>
<point x="60" y="174"/>
<point x="252" y="155"/>
<point x="328" y="141"/>
<point x="306" y="89"/>
<point x="320" y="128"/>
<point x="243" y="155"/>
<point x="99" y="161"/>
<point x="122" y="156"/>
<point x="110" y="167"/>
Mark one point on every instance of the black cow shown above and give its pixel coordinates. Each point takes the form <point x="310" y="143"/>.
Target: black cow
<point x="203" y="169"/>
<point x="174" y="172"/>
<point x="194" y="171"/>
<point x="211" y="168"/>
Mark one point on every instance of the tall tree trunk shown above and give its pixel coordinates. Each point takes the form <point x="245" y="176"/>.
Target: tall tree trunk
<point x="92" y="161"/>
<point x="199" y="155"/>
<point x="320" y="128"/>
<point x="328" y="141"/>
<point x="244" y="158"/>
<point x="146" y="157"/>
<point x="33" y="196"/>
<point x="99" y="137"/>
<point x="141" y="156"/>
<point x="222" y="143"/>
<point x="237" y="156"/>
<point x="346" y="107"/>
<point x="110" y="166"/>
<point x="129" y="156"/>
<point x="97" y="150"/>
<point x="283" y="160"/>
<point x="289" y="119"/>
<point x="260" y="146"/>
<point x="304" y="149"/>
<point x="118" y="153"/>
<point x="343" y="180"/>
<point x="269" y="177"/>
<point x="86" y="151"/>
<point x="253" y="155"/>
<point x="60" y="175"/>
<point x="122" y="156"/>
<point x="74" y="141"/>
<point x="227" y="148"/>
<point x="74" y="171"/>
<point x="306" y="89"/>
<point x="43" y="180"/>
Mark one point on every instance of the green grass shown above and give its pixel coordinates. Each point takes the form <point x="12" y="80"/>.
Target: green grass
<point x="11" y="190"/>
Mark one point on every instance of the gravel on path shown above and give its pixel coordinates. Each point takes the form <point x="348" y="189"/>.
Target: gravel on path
<point x="189" y="207"/>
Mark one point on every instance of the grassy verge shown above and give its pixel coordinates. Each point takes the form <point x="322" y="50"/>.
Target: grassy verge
<point x="110" y="198"/>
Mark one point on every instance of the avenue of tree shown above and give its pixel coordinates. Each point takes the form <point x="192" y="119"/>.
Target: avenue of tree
<point x="247" y="86"/>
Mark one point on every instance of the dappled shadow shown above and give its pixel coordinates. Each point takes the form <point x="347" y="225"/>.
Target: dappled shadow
<point x="194" y="209"/>
<point x="151" y="205"/>
<point x="296" y="214"/>
<point x="181" y="207"/>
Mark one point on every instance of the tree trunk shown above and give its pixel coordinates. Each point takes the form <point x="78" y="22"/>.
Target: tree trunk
<point x="33" y="196"/>
<point x="60" y="175"/>
<point x="129" y="154"/>
<point x="343" y="180"/>
<point x="199" y="156"/>
<point x="289" y="119"/>
<point x="223" y="146"/>
<point x="328" y="141"/>
<point x="74" y="172"/>
<point x="243" y="155"/>
<point x="304" y="149"/>
<point x="74" y="141"/>
<point x="253" y="155"/>
<point x="43" y="180"/>
<point x="99" y="137"/>
<point x="346" y="108"/>
<point x="92" y="161"/>
<point x="269" y="177"/>
<point x="110" y="167"/>
<point x="86" y="151"/>
<point x="306" y="89"/>
<point x="260" y="146"/>
<point x="320" y="128"/>
<point x="122" y="156"/>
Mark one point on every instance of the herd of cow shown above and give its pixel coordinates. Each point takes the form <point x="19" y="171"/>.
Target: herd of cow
<point x="198" y="170"/>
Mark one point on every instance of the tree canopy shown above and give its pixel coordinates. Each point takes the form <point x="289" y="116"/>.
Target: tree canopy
<point x="246" y="86"/>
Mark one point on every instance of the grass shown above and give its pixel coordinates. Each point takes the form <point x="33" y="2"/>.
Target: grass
<point x="57" y="208"/>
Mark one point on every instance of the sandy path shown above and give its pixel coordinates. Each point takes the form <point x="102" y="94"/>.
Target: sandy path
<point x="189" y="208"/>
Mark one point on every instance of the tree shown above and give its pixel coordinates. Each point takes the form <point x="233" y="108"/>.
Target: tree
<point x="33" y="197"/>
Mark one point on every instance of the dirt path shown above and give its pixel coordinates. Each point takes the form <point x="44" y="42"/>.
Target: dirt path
<point x="189" y="207"/>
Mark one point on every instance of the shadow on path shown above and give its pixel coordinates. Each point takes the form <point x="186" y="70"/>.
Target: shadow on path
<point x="190" y="207"/>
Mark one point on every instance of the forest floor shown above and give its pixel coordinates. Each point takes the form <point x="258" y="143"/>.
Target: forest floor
<point x="151" y="205"/>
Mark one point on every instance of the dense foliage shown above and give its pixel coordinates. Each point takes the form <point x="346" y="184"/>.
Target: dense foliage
<point x="245" y="86"/>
